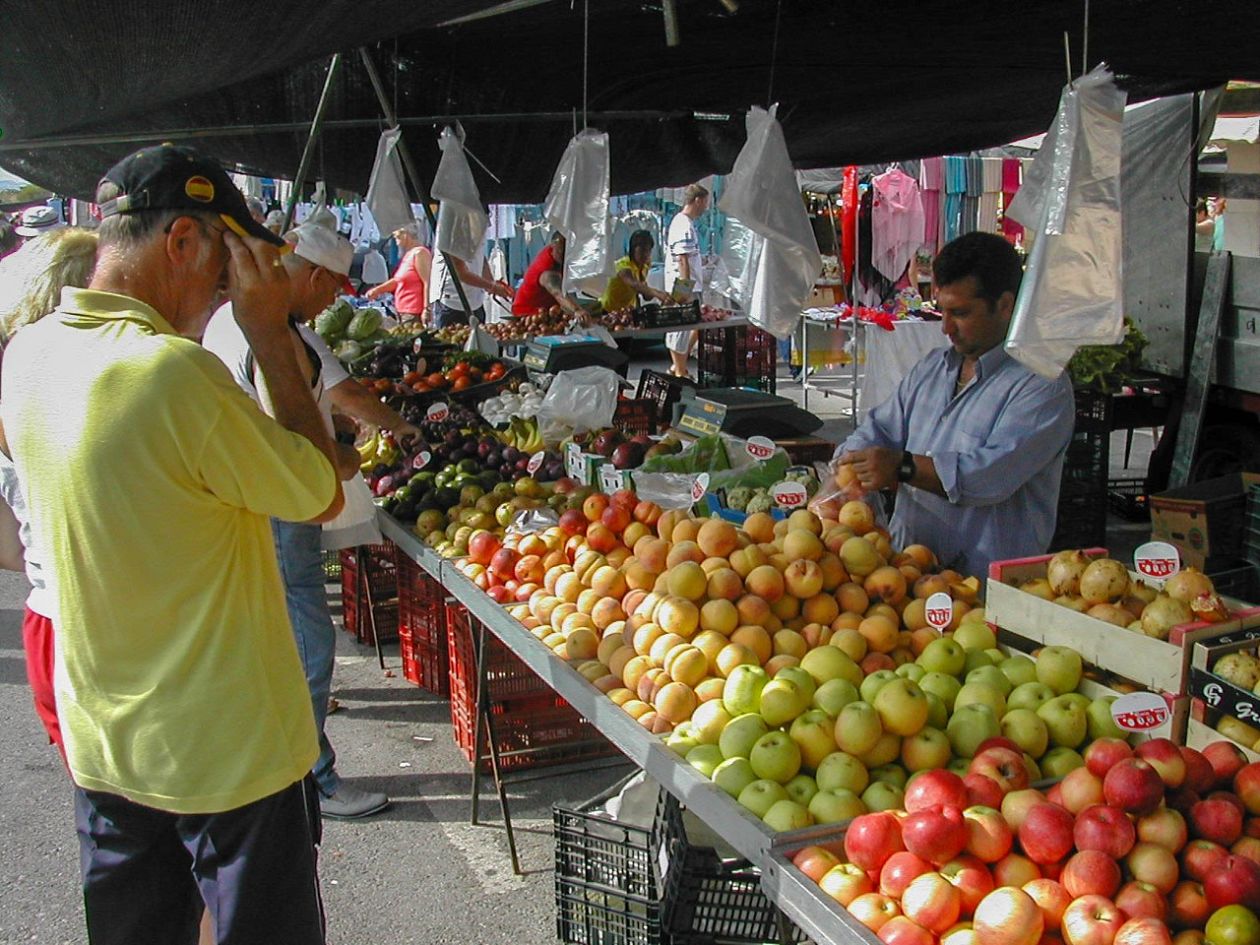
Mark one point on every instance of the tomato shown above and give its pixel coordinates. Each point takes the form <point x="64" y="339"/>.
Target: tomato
<point x="459" y="370"/>
<point x="436" y="380"/>
<point x="411" y="377"/>
<point x="420" y="387"/>
<point x="461" y="383"/>
<point x="497" y="370"/>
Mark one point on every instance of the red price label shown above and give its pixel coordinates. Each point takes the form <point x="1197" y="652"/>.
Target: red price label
<point x="438" y="411"/>
<point x="1139" y="711"/>
<point x="760" y="447"/>
<point x="421" y="460"/>
<point x="939" y="610"/>
<point x="535" y="461"/>
<point x="1157" y="559"/>
<point x="699" y="486"/>
<point x="790" y="495"/>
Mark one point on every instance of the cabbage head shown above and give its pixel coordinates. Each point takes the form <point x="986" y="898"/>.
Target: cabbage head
<point x="366" y="322"/>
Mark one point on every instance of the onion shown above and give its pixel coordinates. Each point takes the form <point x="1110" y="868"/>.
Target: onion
<point x="1164" y="613"/>
<point x="1104" y="581"/>
<point x="1110" y="613"/>
<point x="1064" y="572"/>
<point x="1038" y="587"/>
<point x="1188" y="584"/>
<point x="1072" y="602"/>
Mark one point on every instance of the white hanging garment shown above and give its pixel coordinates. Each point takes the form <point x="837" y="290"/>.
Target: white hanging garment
<point x="577" y="206"/>
<point x="461" y="222"/>
<point x="387" y="191"/>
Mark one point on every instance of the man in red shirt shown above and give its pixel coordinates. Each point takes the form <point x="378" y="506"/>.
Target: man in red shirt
<point x="542" y="288"/>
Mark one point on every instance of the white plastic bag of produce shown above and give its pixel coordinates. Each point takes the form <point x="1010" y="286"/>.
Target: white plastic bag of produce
<point x="1073" y="291"/>
<point x="461" y="222"/>
<point x="577" y="206"/>
<point x="581" y="399"/>
<point x="387" y="193"/>
<point x="356" y="523"/>
<point x="779" y="261"/>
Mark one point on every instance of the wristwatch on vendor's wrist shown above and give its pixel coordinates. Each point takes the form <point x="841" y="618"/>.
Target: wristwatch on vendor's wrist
<point x="905" y="471"/>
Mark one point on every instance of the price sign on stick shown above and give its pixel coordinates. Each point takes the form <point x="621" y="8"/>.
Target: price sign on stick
<point x="438" y="411"/>
<point x="699" y="486"/>
<point x="790" y="495"/>
<point x="1157" y="559"/>
<point x="1139" y="712"/>
<point x="760" y="447"/>
<point x="939" y="610"/>
<point x="421" y="460"/>
<point x="535" y="461"/>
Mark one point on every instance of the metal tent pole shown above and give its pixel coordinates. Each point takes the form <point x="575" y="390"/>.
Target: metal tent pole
<point x="308" y="152"/>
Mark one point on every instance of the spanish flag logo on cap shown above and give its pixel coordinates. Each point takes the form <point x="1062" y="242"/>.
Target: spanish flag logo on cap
<point x="199" y="188"/>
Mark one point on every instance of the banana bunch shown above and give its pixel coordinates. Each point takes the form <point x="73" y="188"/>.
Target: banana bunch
<point x="523" y="433"/>
<point x="378" y="449"/>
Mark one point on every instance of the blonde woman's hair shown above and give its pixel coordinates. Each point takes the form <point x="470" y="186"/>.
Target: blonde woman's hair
<point x="32" y="278"/>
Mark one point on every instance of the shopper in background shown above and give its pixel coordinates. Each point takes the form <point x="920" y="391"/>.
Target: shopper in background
<point x="1216" y="208"/>
<point x="682" y="262"/>
<point x="542" y="287"/>
<point x="149" y="478"/>
<point x="257" y="209"/>
<point x="972" y="440"/>
<point x="411" y="278"/>
<point x="629" y="280"/>
<point x="445" y="305"/>
<point x="1204" y="227"/>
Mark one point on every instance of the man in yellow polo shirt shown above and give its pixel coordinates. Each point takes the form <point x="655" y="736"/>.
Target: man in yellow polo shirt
<point x="150" y="477"/>
<point x="629" y="281"/>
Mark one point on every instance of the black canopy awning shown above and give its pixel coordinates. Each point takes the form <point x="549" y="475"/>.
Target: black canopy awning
<point x="860" y="81"/>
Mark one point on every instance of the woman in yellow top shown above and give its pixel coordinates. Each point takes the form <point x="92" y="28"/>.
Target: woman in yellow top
<point x="630" y="279"/>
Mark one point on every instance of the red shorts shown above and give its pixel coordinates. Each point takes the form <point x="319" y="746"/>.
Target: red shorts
<point x="37" y="640"/>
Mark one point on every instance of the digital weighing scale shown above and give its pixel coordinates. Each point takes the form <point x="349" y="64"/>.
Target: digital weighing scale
<point x="743" y="413"/>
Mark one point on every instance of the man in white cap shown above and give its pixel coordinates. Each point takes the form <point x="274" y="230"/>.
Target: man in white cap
<point x="36" y="221"/>
<point x="317" y="269"/>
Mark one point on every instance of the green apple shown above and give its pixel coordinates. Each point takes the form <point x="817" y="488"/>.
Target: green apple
<point x="893" y="773"/>
<point x="775" y="757"/>
<point x="840" y="770"/>
<point x="984" y="693"/>
<point x="996" y="655"/>
<point x="1029" y="695"/>
<point x="832" y="807"/>
<point x="760" y="796"/>
<point x="976" y="659"/>
<point x="1065" y="721"/>
<point x="1059" y="667"/>
<point x="804" y="681"/>
<point x="813" y="732"/>
<point x="943" y="686"/>
<point x="1018" y="669"/>
<point x="886" y="750"/>
<point x="976" y="614"/>
<point x="708" y="721"/>
<point x="872" y="684"/>
<point x="1026" y="729"/>
<point x="834" y="695"/>
<point x="787" y="815"/>
<point x="902" y="707"/>
<point x="960" y="766"/>
<point x="969" y="726"/>
<point x="781" y="702"/>
<point x="857" y="728"/>
<point x="991" y="675"/>
<point x="926" y="748"/>
<point x="1057" y="762"/>
<point x="881" y="795"/>
<point x="733" y="775"/>
<point x="1077" y="698"/>
<point x="829" y="662"/>
<point x="682" y="739"/>
<point x="741" y="693"/>
<point x="1034" y="770"/>
<point x="912" y="671"/>
<point x="1100" y="722"/>
<point x="704" y="758"/>
<point x="740" y="734"/>
<point x="938" y="715"/>
<point x="944" y="655"/>
<point x="975" y="635"/>
<point x="801" y="788"/>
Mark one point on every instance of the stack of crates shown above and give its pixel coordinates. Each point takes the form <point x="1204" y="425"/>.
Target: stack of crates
<point x="1082" y="515"/>
<point x="663" y="390"/>
<point x="422" y="628"/>
<point x="737" y="357"/>
<point x="382" y="578"/>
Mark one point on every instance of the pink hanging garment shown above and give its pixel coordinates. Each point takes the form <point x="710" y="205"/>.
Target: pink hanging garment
<point x="897" y="226"/>
<point x="1010" y="186"/>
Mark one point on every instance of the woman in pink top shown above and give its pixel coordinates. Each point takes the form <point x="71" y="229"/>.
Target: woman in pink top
<point x="411" y="278"/>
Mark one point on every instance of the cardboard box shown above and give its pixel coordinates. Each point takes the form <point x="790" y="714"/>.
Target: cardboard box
<point x="1205" y="519"/>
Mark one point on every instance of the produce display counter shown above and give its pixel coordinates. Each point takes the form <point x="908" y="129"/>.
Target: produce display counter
<point x="738" y="322"/>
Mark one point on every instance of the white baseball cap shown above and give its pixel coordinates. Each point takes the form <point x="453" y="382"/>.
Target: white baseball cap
<point x="323" y="247"/>
<point x="36" y="221"/>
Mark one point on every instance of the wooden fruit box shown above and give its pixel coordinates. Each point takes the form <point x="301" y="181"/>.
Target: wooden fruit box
<point x="1217" y="693"/>
<point x="1199" y="735"/>
<point x="1159" y="665"/>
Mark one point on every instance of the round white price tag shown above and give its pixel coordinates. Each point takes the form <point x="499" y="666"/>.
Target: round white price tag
<point x="1139" y="711"/>
<point x="760" y="447"/>
<point x="421" y="459"/>
<point x="939" y="610"/>
<point x="438" y="411"/>
<point x="790" y="495"/>
<point x="699" y="486"/>
<point x="1156" y="559"/>
<point x="536" y="461"/>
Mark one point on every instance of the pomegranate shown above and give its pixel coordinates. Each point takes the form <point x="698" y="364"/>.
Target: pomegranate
<point x="1188" y="584"/>
<point x="1104" y="581"/>
<point x="1164" y="613"/>
<point x="1064" y="572"/>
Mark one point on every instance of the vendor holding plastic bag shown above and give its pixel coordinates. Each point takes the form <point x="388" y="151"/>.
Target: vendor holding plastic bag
<point x="972" y="440"/>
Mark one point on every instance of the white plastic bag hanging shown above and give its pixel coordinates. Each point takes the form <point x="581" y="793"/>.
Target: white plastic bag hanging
<point x="775" y="267"/>
<point x="387" y="192"/>
<point x="1073" y="289"/>
<point x="577" y="206"/>
<point x="461" y="222"/>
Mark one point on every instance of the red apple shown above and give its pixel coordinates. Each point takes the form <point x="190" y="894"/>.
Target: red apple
<point x="1164" y="756"/>
<point x="1054" y="794"/>
<point x="815" y="862"/>
<point x="573" y="522"/>
<point x="873" y="910"/>
<point x="1251" y="826"/>
<point x="1189" y="937"/>
<point x="933" y="902"/>
<point x="1134" y="786"/>
<point x="1216" y="819"/>
<point x="1104" y="828"/>
<point x="1079" y="789"/>
<point x="499" y="594"/>
<point x="1248" y="847"/>
<point x="1188" y="906"/>
<point x="1091" y="920"/>
<point x="989" y="836"/>
<point x="1236" y="880"/>
<point x="1008" y="916"/>
<point x="1143" y="930"/>
<point x="1200" y="857"/>
<point x="1199" y="774"/>
<point x="1230" y="798"/>
<point x="1181" y="800"/>
<point x="845" y="882"/>
<point x="1136" y="899"/>
<point x="971" y="878"/>
<point x="1017" y="804"/>
<point x="482" y="545"/>
<point x="983" y="791"/>
<point x="1165" y="827"/>
<point x="1226" y="759"/>
<point x="1051" y="898"/>
<point x="937" y="834"/>
<point x="1091" y="872"/>
<point x="899" y="871"/>
<point x="1052" y="870"/>
<point x="1155" y="865"/>
<point x="899" y="930"/>
<point x="935" y="788"/>
<point x="872" y="838"/>
<point x="503" y="563"/>
<point x="1003" y="765"/>
<point x="1100" y="755"/>
<point x="998" y="741"/>
<point x="1014" y="869"/>
<point x="1247" y="786"/>
<point x="1046" y="833"/>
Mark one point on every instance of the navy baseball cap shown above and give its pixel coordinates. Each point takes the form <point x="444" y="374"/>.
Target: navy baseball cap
<point x="175" y="177"/>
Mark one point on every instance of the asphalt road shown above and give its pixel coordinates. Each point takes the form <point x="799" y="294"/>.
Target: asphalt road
<point x="417" y="873"/>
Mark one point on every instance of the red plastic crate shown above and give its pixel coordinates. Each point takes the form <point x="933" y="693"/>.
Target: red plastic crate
<point x="528" y="715"/>
<point x="742" y="356"/>
<point x="422" y="628"/>
<point x="633" y="416"/>
<point x="383" y="580"/>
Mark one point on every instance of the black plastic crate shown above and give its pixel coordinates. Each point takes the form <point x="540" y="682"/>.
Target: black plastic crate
<point x="1127" y="497"/>
<point x="1093" y="411"/>
<point x="1081" y="521"/>
<point x="663" y="390"/>
<point x="1251" y="542"/>
<point x="332" y="565"/>
<point x="742" y="356"/>
<point x="635" y="415"/>
<point x="1237" y="579"/>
